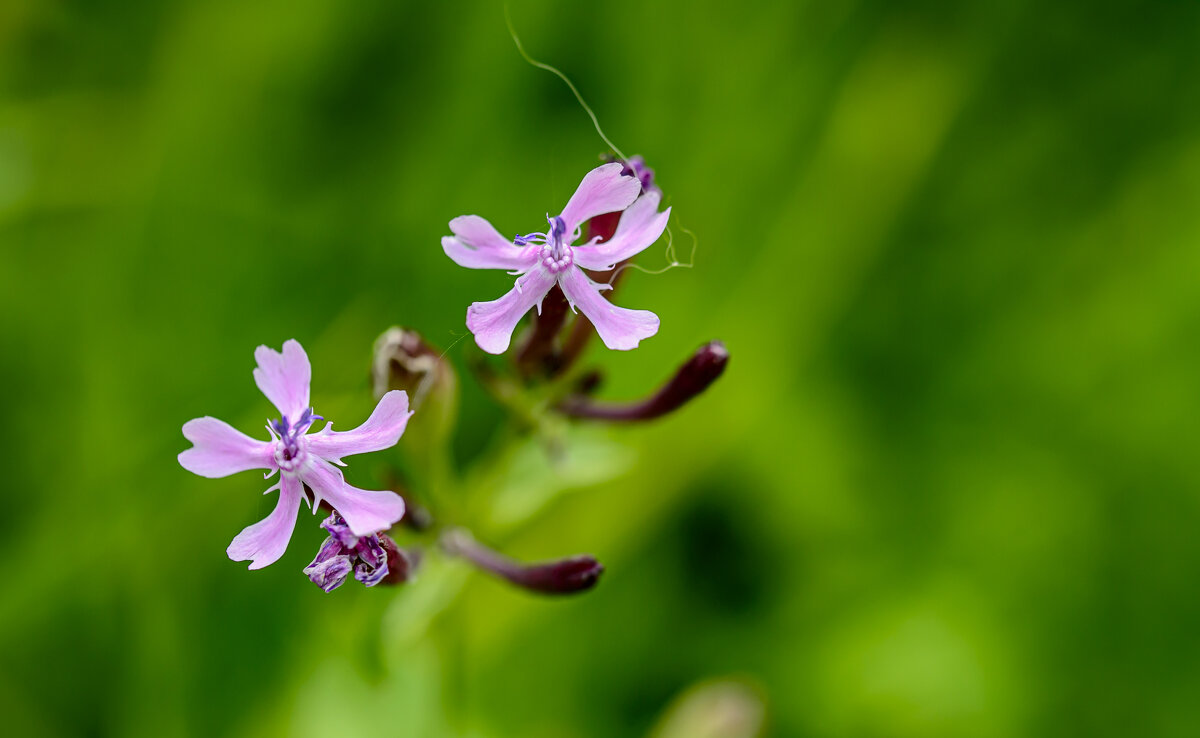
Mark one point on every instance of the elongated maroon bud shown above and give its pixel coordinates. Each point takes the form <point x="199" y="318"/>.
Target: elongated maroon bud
<point x="562" y="576"/>
<point x="540" y="352"/>
<point x="694" y="377"/>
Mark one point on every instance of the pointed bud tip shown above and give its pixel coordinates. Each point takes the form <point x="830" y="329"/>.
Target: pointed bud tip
<point x="561" y="576"/>
<point x="566" y="576"/>
<point x="712" y="357"/>
<point x="691" y="379"/>
<point x="705" y="366"/>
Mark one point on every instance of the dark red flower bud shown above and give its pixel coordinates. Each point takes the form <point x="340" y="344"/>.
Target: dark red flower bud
<point x="694" y="377"/>
<point x="562" y="576"/>
<point x="540" y="352"/>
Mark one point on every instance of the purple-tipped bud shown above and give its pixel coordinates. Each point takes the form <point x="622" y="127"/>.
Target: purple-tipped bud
<point x="635" y="166"/>
<point x="562" y="576"/>
<point x="693" y="378"/>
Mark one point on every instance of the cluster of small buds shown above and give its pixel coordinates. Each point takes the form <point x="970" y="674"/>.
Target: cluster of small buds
<point x="571" y="284"/>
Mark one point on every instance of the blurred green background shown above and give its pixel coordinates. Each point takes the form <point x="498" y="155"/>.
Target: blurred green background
<point x="948" y="486"/>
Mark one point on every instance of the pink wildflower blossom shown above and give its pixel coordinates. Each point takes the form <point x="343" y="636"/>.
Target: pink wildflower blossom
<point x="301" y="459"/>
<point x="545" y="259"/>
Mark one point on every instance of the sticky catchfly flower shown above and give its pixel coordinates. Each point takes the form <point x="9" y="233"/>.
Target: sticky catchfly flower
<point x="545" y="259"/>
<point x="302" y="459"/>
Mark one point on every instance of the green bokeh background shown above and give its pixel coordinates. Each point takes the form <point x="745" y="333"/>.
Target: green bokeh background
<point x="948" y="486"/>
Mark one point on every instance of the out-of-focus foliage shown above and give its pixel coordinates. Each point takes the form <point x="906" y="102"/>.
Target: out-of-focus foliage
<point x="948" y="487"/>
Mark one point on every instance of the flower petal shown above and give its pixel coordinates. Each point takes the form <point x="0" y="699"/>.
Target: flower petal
<point x="640" y="226"/>
<point x="476" y="244"/>
<point x="330" y="573"/>
<point x="618" y="327"/>
<point x="382" y="430"/>
<point x="339" y="532"/>
<point x="369" y="575"/>
<point x="284" y="377"/>
<point x="493" y="322"/>
<point x="221" y="450"/>
<point x="264" y="542"/>
<point x="365" y="511"/>
<point x="603" y="190"/>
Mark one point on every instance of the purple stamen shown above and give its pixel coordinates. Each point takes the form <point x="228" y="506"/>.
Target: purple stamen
<point x="558" y="229"/>
<point x="290" y="433"/>
<point x="290" y="447"/>
<point x="529" y="238"/>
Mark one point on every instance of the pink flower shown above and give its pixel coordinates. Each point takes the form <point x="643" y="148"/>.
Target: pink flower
<point x="301" y="459"/>
<point x="545" y="259"/>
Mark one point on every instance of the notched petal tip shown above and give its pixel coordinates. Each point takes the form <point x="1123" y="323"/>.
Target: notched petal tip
<point x="493" y="322"/>
<point x="476" y="244"/>
<point x="219" y="449"/>
<point x="639" y="227"/>
<point x="620" y="329"/>
<point x="602" y="190"/>
<point x="264" y="542"/>
<point x="365" y="511"/>
<point x="487" y="337"/>
<point x="642" y="324"/>
<point x="382" y="430"/>
<point x="284" y="377"/>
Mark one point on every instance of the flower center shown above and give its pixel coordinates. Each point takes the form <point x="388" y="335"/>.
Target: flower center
<point x="557" y="256"/>
<point x="556" y="253"/>
<point x="289" y="446"/>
